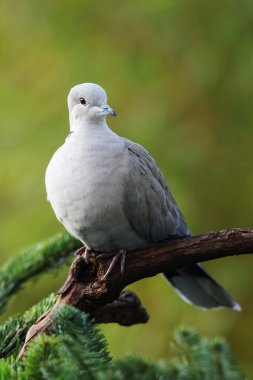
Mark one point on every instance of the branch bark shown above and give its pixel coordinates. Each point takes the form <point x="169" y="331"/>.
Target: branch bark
<point x="88" y="290"/>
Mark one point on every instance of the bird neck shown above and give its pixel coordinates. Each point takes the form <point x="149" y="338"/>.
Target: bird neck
<point x="78" y="124"/>
<point x="91" y="130"/>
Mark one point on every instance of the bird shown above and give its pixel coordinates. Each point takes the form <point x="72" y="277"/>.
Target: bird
<point x="109" y="193"/>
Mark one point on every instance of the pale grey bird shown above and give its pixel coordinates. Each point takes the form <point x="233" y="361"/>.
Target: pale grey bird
<point x="109" y="193"/>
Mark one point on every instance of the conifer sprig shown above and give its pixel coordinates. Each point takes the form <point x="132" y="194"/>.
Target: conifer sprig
<point x="76" y="349"/>
<point x="33" y="261"/>
<point x="13" y="331"/>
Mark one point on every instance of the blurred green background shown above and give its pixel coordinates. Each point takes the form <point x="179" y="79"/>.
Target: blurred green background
<point x="179" y="74"/>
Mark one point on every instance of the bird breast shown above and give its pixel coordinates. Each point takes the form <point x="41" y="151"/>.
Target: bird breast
<point x="85" y="185"/>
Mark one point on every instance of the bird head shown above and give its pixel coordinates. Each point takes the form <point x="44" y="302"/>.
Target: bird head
<point x="88" y="102"/>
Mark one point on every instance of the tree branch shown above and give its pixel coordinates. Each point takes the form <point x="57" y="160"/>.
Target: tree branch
<point x="87" y="289"/>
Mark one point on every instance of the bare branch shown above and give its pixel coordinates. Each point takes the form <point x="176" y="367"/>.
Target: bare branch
<point x="87" y="289"/>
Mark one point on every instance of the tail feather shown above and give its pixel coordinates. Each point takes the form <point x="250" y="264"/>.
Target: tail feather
<point x="195" y="286"/>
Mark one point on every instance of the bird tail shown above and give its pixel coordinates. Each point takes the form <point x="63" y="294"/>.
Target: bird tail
<point x="195" y="286"/>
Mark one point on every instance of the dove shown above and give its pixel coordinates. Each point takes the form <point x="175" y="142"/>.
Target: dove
<point x="109" y="193"/>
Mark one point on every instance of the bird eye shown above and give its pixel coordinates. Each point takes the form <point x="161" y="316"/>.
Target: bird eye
<point x="82" y="101"/>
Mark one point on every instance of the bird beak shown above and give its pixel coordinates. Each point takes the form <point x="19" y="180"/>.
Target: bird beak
<point x="108" y="110"/>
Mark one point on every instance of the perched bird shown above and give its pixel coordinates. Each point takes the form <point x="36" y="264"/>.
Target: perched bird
<point x="109" y="193"/>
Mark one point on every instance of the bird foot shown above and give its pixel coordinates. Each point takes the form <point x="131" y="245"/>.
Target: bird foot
<point x="86" y="251"/>
<point x="121" y="254"/>
<point x="115" y="257"/>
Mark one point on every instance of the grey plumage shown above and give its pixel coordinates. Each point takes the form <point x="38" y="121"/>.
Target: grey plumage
<point x="148" y="202"/>
<point x="154" y="214"/>
<point x="109" y="193"/>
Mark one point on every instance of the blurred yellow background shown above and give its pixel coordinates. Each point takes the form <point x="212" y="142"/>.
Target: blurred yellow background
<point x="179" y="74"/>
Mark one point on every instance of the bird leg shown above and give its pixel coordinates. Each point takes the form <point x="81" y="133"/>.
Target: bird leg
<point x="115" y="257"/>
<point x="86" y="252"/>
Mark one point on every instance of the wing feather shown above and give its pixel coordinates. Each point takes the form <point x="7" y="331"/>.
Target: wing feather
<point x="149" y="205"/>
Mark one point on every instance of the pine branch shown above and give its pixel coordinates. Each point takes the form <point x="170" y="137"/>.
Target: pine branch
<point x="77" y="349"/>
<point x="13" y="331"/>
<point x="204" y="358"/>
<point x="33" y="261"/>
<point x="87" y="289"/>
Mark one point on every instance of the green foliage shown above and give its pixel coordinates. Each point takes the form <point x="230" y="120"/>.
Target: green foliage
<point x="67" y="320"/>
<point x="13" y="332"/>
<point x="227" y="368"/>
<point x="76" y="349"/>
<point x="7" y="370"/>
<point x="33" y="261"/>
<point x="136" y="368"/>
<point x="204" y="358"/>
<point x="195" y="358"/>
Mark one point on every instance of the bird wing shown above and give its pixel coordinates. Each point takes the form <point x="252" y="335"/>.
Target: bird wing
<point x="148" y="203"/>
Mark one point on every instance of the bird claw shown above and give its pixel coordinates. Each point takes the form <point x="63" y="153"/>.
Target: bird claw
<point x="80" y="251"/>
<point x="87" y="255"/>
<point x="86" y="251"/>
<point x="115" y="258"/>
